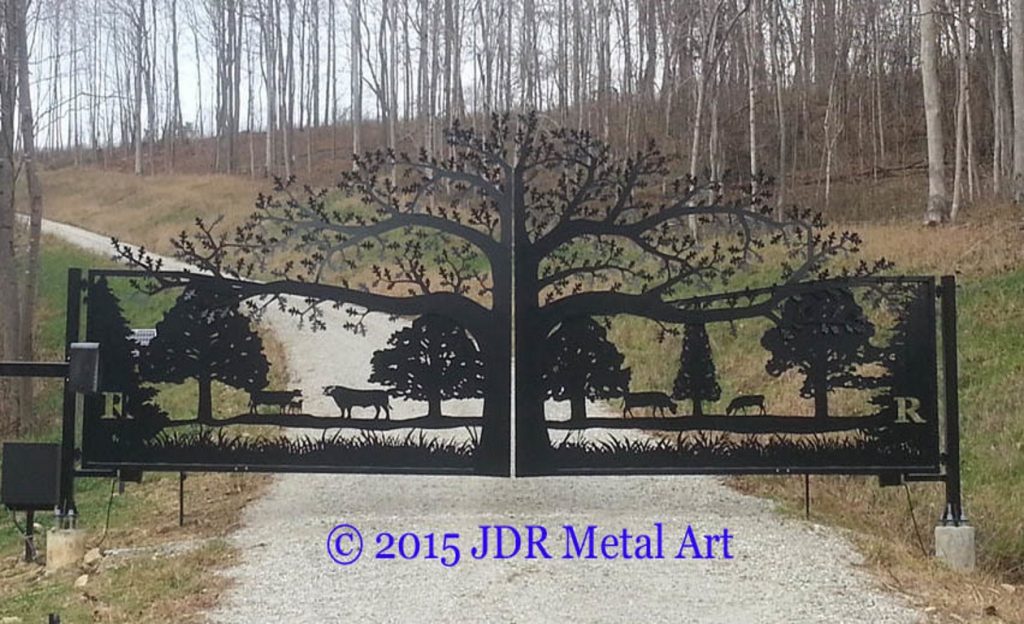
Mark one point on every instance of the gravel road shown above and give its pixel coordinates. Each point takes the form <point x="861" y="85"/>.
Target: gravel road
<point x="784" y="571"/>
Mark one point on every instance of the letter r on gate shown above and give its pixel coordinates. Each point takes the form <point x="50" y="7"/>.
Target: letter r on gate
<point x="907" y="410"/>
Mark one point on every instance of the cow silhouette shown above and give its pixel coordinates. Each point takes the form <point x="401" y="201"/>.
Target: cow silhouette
<point x="742" y="402"/>
<point x="347" y="398"/>
<point x="657" y="401"/>
<point x="281" y="398"/>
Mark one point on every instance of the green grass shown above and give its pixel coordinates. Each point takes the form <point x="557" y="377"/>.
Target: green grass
<point x="991" y="341"/>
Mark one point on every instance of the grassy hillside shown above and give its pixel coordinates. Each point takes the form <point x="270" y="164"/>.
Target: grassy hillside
<point x="150" y="210"/>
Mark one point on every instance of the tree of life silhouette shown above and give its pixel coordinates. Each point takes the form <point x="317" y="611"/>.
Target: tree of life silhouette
<point x="697" y="379"/>
<point x="583" y="231"/>
<point x="581" y="363"/>
<point x="204" y="337"/>
<point x="824" y="335"/>
<point x="432" y="360"/>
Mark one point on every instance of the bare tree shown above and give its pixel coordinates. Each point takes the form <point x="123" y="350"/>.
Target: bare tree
<point x="137" y="17"/>
<point x="1017" y="14"/>
<point x="26" y="348"/>
<point x="356" y="73"/>
<point x="937" y="199"/>
<point x="265" y="12"/>
<point x="752" y="48"/>
<point x="10" y="309"/>
<point x="963" y="89"/>
<point x="176" y="118"/>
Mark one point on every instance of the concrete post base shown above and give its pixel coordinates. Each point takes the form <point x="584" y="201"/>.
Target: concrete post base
<point x="64" y="548"/>
<point x="955" y="546"/>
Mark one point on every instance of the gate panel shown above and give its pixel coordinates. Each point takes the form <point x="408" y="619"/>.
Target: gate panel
<point x="833" y="376"/>
<point x="188" y="384"/>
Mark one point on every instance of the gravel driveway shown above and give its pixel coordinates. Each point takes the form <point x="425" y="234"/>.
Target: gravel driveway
<point x="784" y="571"/>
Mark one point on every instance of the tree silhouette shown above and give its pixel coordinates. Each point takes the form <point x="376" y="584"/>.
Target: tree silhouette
<point x="696" y="379"/>
<point x="581" y="363"/>
<point x="204" y="337"/>
<point x="119" y="362"/>
<point x="823" y="334"/>
<point x="108" y="326"/>
<point x="594" y="233"/>
<point x="908" y="356"/>
<point x="432" y="360"/>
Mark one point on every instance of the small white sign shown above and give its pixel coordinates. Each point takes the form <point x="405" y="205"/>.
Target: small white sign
<point x="143" y="337"/>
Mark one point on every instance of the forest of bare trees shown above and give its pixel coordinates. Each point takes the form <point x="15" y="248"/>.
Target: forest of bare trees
<point x="803" y="90"/>
<point x="799" y="89"/>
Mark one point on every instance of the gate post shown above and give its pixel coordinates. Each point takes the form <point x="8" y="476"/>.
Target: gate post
<point x="67" y="510"/>
<point x="65" y="544"/>
<point x="953" y="513"/>
<point x="954" y="538"/>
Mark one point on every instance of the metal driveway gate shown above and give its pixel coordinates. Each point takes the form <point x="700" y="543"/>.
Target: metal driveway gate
<point x="854" y="361"/>
<point x="532" y="255"/>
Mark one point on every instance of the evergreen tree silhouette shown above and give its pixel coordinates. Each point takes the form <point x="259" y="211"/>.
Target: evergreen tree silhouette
<point x="432" y="360"/>
<point x="697" y="379"/>
<point x="119" y="364"/>
<point x="108" y="326"/>
<point x="581" y="363"/>
<point x="824" y="335"/>
<point x="908" y="359"/>
<point x="205" y="339"/>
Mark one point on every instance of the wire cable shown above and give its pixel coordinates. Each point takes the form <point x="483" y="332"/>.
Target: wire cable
<point x="29" y="542"/>
<point x="14" y="519"/>
<point x="913" y="518"/>
<point x="110" y="502"/>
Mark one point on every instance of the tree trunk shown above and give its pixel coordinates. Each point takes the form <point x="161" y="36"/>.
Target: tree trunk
<point x="1001" y="104"/>
<point x="578" y="405"/>
<point x="780" y="116"/>
<point x="269" y="59"/>
<point x="356" y="75"/>
<point x="10" y="310"/>
<point x="434" y="407"/>
<point x="287" y="86"/>
<point x="494" y="453"/>
<point x="533" y="446"/>
<point x="35" y="192"/>
<point x="695" y="144"/>
<point x="963" y="80"/>
<point x="205" y="412"/>
<point x="175" y="124"/>
<point x="140" y="26"/>
<point x="698" y="407"/>
<point x="752" y="50"/>
<point x="1017" y="69"/>
<point x="820" y="384"/>
<point x="937" y="199"/>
